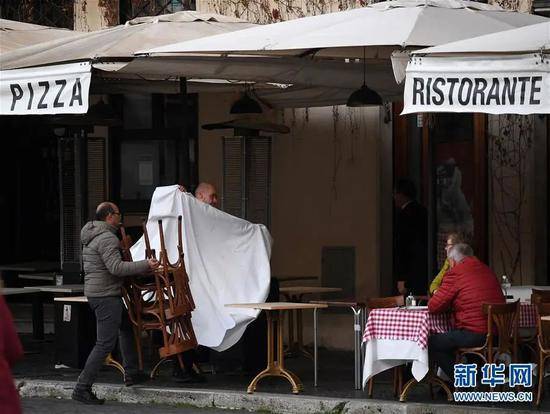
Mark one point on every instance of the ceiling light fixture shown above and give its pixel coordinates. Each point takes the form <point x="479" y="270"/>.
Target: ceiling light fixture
<point x="364" y="96"/>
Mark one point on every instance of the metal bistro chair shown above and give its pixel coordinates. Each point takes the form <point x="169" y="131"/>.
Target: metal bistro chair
<point x="388" y="302"/>
<point x="502" y="328"/>
<point x="543" y="342"/>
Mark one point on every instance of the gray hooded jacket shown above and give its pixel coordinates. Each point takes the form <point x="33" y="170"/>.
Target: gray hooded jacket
<point x="103" y="265"/>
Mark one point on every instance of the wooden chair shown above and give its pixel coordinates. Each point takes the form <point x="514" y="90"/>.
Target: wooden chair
<point x="502" y="323"/>
<point x="540" y="296"/>
<point x="163" y="302"/>
<point x="543" y="342"/>
<point x="530" y="341"/>
<point x="388" y="302"/>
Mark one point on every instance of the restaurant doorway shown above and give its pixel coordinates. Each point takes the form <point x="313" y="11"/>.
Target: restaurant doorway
<point x="445" y="155"/>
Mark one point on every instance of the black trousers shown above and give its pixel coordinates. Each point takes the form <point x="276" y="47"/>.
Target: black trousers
<point x="442" y="347"/>
<point x="111" y="322"/>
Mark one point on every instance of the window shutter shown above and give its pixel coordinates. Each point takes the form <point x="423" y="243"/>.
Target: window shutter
<point x="247" y="178"/>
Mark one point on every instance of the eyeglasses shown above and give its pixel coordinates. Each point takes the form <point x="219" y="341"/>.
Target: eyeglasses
<point x="117" y="213"/>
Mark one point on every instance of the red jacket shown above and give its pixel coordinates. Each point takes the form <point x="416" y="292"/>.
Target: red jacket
<point x="10" y="352"/>
<point x="465" y="288"/>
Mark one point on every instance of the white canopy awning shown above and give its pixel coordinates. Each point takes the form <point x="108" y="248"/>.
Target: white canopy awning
<point x="507" y="72"/>
<point x="381" y="27"/>
<point x="310" y="51"/>
<point x="16" y="35"/>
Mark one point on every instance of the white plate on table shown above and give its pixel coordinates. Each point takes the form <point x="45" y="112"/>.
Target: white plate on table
<point x="416" y="307"/>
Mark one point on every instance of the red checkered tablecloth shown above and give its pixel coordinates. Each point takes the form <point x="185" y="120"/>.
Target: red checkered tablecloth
<point x="417" y="324"/>
<point x="527" y="316"/>
<point x="405" y="324"/>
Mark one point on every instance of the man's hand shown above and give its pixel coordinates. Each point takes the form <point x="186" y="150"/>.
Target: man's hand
<point x="153" y="263"/>
<point x="401" y="287"/>
<point x="182" y="188"/>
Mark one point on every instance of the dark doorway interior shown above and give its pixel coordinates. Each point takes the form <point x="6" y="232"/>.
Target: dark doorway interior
<point x="29" y="195"/>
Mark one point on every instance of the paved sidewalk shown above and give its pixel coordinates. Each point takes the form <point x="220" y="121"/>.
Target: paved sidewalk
<point x="37" y="377"/>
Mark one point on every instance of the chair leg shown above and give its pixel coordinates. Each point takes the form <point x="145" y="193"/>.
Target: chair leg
<point x="542" y="361"/>
<point x="371" y="384"/>
<point x="399" y="379"/>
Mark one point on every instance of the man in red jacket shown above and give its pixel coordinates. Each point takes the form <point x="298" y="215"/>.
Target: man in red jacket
<point x="466" y="287"/>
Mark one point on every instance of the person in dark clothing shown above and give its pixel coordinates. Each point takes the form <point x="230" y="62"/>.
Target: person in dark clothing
<point x="104" y="272"/>
<point x="410" y="240"/>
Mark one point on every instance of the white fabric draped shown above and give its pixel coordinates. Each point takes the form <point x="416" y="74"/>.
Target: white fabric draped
<point x="227" y="260"/>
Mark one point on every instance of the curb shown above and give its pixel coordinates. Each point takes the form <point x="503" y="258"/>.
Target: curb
<point x="233" y="400"/>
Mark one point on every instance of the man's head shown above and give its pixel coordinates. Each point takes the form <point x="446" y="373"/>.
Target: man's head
<point x="458" y="253"/>
<point x="405" y="191"/>
<point x="206" y="193"/>
<point x="109" y="213"/>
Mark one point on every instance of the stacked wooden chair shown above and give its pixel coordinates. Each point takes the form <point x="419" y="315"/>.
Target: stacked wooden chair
<point x="162" y="302"/>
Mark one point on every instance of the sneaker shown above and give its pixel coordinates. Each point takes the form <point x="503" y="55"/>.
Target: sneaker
<point x="137" y="378"/>
<point x="86" y="396"/>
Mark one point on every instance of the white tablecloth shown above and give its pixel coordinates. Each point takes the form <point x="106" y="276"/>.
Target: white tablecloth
<point x="383" y="354"/>
<point x="227" y="260"/>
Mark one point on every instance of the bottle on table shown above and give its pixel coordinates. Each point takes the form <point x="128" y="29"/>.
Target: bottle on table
<point x="505" y="284"/>
<point x="410" y="300"/>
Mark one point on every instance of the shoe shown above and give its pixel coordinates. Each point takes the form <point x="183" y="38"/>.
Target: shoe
<point x="190" y="378"/>
<point x="138" y="378"/>
<point x="86" y="396"/>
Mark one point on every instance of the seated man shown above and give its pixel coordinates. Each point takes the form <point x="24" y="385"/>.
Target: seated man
<point x="465" y="288"/>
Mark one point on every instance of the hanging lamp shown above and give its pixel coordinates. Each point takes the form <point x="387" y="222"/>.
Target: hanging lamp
<point x="245" y="105"/>
<point x="364" y="96"/>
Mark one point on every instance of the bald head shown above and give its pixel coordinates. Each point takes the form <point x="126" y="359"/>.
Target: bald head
<point x="207" y="193"/>
<point x="108" y="212"/>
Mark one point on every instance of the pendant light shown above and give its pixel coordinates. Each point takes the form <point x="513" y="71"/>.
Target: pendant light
<point x="245" y="105"/>
<point x="364" y="96"/>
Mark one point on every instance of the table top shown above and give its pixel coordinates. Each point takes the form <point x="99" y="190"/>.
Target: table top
<point x="78" y="299"/>
<point x="302" y="290"/>
<point x="344" y="303"/>
<point x="276" y="305"/>
<point x="34" y="266"/>
<point x="405" y="324"/>
<point x="79" y="288"/>
<point x="37" y="276"/>
<point x="17" y="291"/>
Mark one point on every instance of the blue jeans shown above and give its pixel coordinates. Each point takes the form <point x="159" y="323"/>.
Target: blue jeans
<point x="442" y="347"/>
<point x="112" y="321"/>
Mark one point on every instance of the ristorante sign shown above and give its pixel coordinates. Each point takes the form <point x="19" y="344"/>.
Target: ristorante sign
<point x="517" y="84"/>
<point x="59" y="89"/>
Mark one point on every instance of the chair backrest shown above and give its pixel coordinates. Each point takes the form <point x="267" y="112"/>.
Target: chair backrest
<point x="540" y="296"/>
<point x="385" y="302"/>
<point x="502" y="319"/>
<point x="543" y="327"/>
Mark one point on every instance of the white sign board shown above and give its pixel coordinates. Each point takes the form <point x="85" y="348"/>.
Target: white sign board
<point x="58" y="89"/>
<point x="499" y="85"/>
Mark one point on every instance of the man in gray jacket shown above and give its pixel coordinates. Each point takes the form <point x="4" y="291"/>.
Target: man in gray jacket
<point x="104" y="270"/>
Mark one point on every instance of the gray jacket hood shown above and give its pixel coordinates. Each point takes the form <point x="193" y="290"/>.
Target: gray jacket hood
<point x="94" y="228"/>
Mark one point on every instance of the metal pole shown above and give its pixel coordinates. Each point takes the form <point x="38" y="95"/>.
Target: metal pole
<point x="315" y="347"/>
<point x="357" y="345"/>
